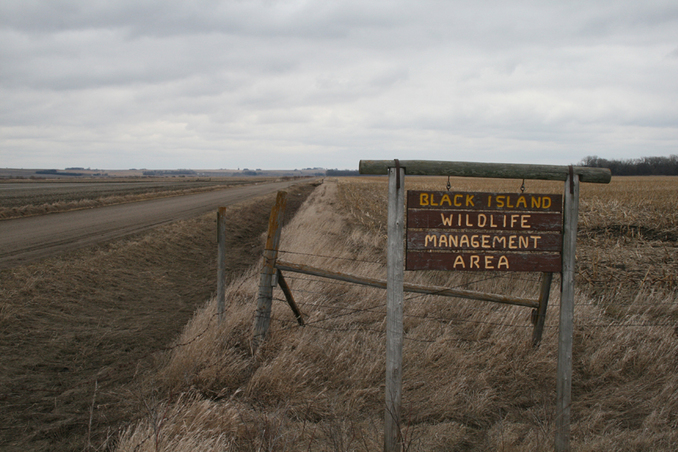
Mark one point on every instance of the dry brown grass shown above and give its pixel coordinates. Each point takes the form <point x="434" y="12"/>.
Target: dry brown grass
<point x="471" y="379"/>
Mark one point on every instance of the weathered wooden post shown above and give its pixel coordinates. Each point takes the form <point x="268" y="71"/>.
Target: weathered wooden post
<point x="289" y="297"/>
<point x="564" y="369"/>
<point x="540" y="313"/>
<point x="221" y="261"/>
<point x="262" y="318"/>
<point x="394" y="313"/>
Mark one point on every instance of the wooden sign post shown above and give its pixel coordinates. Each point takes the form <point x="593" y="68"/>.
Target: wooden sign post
<point x="564" y="370"/>
<point x="481" y="232"/>
<point x="394" y="309"/>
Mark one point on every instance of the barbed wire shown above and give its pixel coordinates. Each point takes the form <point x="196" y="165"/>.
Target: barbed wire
<point x="429" y="318"/>
<point x="331" y="257"/>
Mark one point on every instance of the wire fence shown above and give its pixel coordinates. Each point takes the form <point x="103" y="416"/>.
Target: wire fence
<point x="347" y="311"/>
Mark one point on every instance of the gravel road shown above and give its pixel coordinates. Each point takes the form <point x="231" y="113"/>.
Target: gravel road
<point x="29" y="239"/>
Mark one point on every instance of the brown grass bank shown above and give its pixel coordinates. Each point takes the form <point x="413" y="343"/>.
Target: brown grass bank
<point x="78" y="331"/>
<point x="471" y="379"/>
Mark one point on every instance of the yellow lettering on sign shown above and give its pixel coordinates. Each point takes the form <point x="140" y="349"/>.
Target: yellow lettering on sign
<point x="423" y="199"/>
<point x="514" y="219"/>
<point x="459" y="261"/>
<point x="523" y="242"/>
<point x="546" y="202"/>
<point x="500" y="201"/>
<point x="457" y="203"/>
<point x="486" y="241"/>
<point x="446" y="199"/>
<point x="469" y="201"/>
<point x="475" y="262"/>
<point x="536" y="202"/>
<point x="522" y="201"/>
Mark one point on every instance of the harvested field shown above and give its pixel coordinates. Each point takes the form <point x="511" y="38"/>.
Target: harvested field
<point x="471" y="379"/>
<point x="78" y="332"/>
<point x="26" y="197"/>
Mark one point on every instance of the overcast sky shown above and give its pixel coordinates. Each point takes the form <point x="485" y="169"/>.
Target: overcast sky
<point x="320" y="83"/>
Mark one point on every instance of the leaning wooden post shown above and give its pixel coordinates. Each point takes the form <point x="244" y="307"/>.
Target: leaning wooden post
<point x="221" y="261"/>
<point x="394" y="312"/>
<point x="262" y="318"/>
<point x="564" y="369"/>
<point x="289" y="297"/>
<point x="540" y="312"/>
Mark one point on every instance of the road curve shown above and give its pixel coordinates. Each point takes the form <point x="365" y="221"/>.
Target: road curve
<point x="26" y="240"/>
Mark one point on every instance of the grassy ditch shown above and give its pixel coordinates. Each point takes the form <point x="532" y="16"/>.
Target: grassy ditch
<point x="79" y="331"/>
<point x="471" y="379"/>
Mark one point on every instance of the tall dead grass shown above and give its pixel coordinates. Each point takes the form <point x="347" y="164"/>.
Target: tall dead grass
<point x="471" y="379"/>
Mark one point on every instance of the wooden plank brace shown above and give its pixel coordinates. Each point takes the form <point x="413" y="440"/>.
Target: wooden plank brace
<point x="290" y="299"/>
<point x="539" y="314"/>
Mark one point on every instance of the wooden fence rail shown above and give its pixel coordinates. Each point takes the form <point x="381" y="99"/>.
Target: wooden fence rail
<point x="407" y="287"/>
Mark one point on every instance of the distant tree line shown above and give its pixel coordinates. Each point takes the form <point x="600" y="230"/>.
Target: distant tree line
<point x="180" y="172"/>
<point x="644" y="166"/>
<point x="342" y="173"/>
<point x="55" y="172"/>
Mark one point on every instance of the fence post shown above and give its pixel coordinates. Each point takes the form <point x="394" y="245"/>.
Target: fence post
<point x="564" y="369"/>
<point x="221" y="261"/>
<point x="394" y="309"/>
<point x="540" y="312"/>
<point x="262" y="318"/>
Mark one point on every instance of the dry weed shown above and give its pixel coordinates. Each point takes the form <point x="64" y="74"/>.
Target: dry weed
<point x="471" y="379"/>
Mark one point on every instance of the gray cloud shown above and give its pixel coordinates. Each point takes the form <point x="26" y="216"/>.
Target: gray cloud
<point x="150" y="83"/>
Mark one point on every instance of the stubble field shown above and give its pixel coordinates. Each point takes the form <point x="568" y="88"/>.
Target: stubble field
<point x="24" y="197"/>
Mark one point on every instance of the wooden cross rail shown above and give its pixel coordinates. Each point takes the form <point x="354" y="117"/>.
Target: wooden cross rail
<point x="407" y="287"/>
<point x="490" y="170"/>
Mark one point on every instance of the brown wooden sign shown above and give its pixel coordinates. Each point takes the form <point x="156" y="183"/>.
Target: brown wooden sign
<point x="484" y="231"/>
